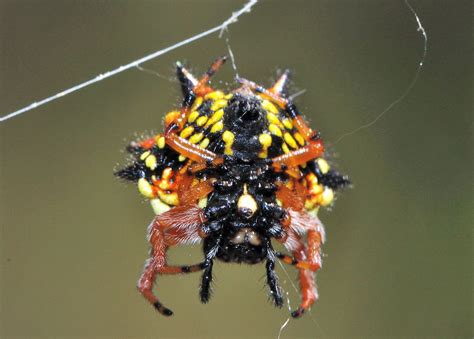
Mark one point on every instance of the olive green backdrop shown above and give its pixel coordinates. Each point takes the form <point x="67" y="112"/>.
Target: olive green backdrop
<point x="399" y="252"/>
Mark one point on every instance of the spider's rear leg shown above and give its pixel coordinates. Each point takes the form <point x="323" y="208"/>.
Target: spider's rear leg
<point x="306" y="257"/>
<point x="179" y="225"/>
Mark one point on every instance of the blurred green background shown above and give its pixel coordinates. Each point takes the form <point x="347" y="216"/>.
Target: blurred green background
<point x="399" y="251"/>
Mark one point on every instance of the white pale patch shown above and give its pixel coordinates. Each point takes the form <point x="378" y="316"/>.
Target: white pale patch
<point x="159" y="206"/>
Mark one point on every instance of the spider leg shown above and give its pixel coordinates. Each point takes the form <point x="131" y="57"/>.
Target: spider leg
<point x="179" y="225"/>
<point x="272" y="279"/>
<point x="278" y="87"/>
<point x="314" y="149"/>
<point x="306" y="257"/>
<point x="206" y="279"/>
<point x="201" y="87"/>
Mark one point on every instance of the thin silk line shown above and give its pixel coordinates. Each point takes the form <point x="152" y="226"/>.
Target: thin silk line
<point x="232" y="19"/>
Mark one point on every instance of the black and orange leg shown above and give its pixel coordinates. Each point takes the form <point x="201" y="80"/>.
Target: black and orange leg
<point x="167" y="230"/>
<point x="301" y="264"/>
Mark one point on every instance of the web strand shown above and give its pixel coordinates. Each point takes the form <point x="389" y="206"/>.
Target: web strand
<point x="421" y="29"/>
<point x="232" y="19"/>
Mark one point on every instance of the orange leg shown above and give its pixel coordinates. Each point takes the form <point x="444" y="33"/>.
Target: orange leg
<point x="179" y="225"/>
<point x="187" y="149"/>
<point x="314" y="149"/>
<point x="201" y="88"/>
<point x="306" y="257"/>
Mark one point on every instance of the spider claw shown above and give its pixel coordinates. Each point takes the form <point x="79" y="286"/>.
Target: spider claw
<point x="162" y="309"/>
<point x="298" y="313"/>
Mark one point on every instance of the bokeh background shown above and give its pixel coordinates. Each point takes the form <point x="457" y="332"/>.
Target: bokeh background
<point x="399" y="251"/>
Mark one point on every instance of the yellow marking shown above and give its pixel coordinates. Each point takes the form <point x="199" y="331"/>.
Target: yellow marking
<point x="202" y="203"/>
<point x="326" y="197"/>
<point x="193" y="116"/>
<point x="309" y="204"/>
<point x="218" y="104"/>
<point x="164" y="185"/>
<point x="265" y="141"/>
<point x="323" y="165"/>
<point x="181" y="158"/>
<point x="167" y="173"/>
<point x="197" y="102"/>
<point x="289" y="140"/>
<point x="274" y="129"/>
<point x="150" y="162"/>
<point x="215" y="117"/>
<point x="273" y="119"/>
<point x="196" y="138"/>
<point x="299" y="138"/>
<point x="285" y="148"/>
<point x="204" y="143"/>
<point x="228" y="96"/>
<point x="144" y="155"/>
<point x="217" y="127"/>
<point x="159" y="206"/>
<point x="315" y="189"/>
<point x="268" y="106"/>
<point x="279" y="203"/>
<point x="145" y="188"/>
<point x="216" y="95"/>
<point x="288" y="124"/>
<point x="161" y="142"/>
<point x="169" y="198"/>
<point x="186" y="132"/>
<point x="201" y="121"/>
<point x="228" y="138"/>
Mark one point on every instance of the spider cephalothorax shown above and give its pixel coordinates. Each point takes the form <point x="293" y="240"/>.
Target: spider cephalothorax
<point x="235" y="171"/>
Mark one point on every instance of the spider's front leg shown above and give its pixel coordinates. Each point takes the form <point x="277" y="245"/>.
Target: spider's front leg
<point x="180" y="225"/>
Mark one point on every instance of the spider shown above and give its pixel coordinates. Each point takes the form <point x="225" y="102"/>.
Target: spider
<point x="234" y="171"/>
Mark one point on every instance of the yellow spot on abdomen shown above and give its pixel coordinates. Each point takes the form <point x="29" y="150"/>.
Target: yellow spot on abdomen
<point x="218" y="104"/>
<point x="145" y="188"/>
<point x="217" y="127"/>
<point x="161" y="142"/>
<point x="186" y="132"/>
<point x="215" y="117"/>
<point x="287" y="123"/>
<point x="204" y="143"/>
<point x="274" y="129"/>
<point x="197" y="102"/>
<point x="228" y="137"/>
<point x="150" y="162"/>
<point x="216" y="95"/>
<point x="268" y="106"/>
<point x="144" y="155"/>
<point x="196" y="138"/>
<point x="193" y="116"/>
<point x="323" y="165"/>
<point x="169" y="198"/>
<point x="299" y="138"/>
<point x="289" y="140"/>
<point x="201" y="120"/>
